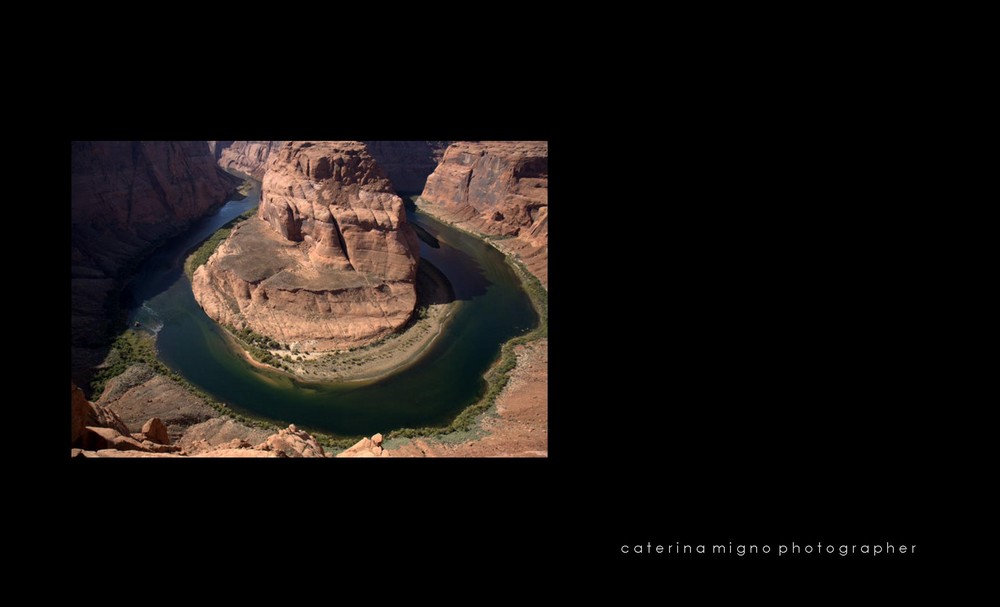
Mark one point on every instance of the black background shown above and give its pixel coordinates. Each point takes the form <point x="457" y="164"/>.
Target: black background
<point x="743" y="292"/>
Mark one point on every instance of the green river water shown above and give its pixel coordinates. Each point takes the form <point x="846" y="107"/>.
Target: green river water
<point x="492" y="308"/>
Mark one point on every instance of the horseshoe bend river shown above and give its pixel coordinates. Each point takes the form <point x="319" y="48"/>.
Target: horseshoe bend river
<point x="492" y="308"/>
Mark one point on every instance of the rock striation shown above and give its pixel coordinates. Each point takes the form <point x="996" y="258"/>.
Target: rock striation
<point x="498" y="188"/>
<point x="126" y="197"/>
<point x="329" y="261"/>
<point x="248" y="157"/>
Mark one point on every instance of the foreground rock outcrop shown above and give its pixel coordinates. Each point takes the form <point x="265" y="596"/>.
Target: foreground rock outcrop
<point x="140" y="393"/>
<point x="127" y="196"/>
<point x="497" y="188"/>
<point x="248" y="157"/>
<point x="97" y="431"/>
<point x="328" y="262"/>
<point x="96" y="428"/>
<point x="366" y="447"/>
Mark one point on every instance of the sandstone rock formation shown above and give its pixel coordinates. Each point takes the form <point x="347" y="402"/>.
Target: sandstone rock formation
<point x="94" y="428"/>
<point x="217" y="433"/>
<point x="407" y="163"/>
<point x="84" y="414"/>
<point x="249" y="157"/>
<point x="126" y="197"/>
<point x="329" y="261"/>
<point x="496" y="188"/>
<point x="366" y="447"/>
<point x="156" y="431"/>
<point x="292" y="442"/>
<point x="98" y="432"/>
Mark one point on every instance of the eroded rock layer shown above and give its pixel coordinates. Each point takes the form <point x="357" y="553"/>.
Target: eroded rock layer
<point x="126" y="197"/>
<point x="328" y="262"/>
<point x="498" y="188"/>
<point x="248" y="157"/>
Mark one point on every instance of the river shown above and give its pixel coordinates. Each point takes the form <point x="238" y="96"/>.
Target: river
<point x="492" y="308"/>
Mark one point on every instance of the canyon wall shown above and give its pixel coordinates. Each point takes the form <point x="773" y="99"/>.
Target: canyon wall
<point x="329" y="261"/>
<point x="497" y="188"/>
<point x="249" y="157"/>
<point x="216" y="147"/>
<point x="407" y="163"/>
<point x="127" y="196"/>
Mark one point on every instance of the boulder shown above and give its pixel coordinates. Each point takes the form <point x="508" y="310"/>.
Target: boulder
<point x="291" y="442"/>
<point x="84" y="413"/>
<point x="156" y="431"/>
<point x="366" y="447"/>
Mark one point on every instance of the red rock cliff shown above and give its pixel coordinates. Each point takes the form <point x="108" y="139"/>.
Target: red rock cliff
<point x="328" y="262"/>
<point x="126" y="197"/>
<point x="497" y="188"/>
<point x="248" y="157"/>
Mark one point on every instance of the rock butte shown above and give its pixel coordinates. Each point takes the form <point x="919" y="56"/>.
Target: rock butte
<point x="497" y="188"/>
<point x="329" y="261"/>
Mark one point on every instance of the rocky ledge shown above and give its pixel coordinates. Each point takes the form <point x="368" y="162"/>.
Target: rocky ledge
<point x="97" y="431"/>
<point x="329" y="262"/>
<point x="497" y="188"/>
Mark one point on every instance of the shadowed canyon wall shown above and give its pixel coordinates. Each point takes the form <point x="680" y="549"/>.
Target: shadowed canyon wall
<point x="407" y="163"/>
<point x="127" y="196"/>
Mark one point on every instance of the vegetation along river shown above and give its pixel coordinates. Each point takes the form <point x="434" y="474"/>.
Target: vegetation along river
<point x="492" y="308"/>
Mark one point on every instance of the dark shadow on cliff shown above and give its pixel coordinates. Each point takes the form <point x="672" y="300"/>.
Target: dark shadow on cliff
<point x="426" y="237"/>
<point x="463" y="274"/>
<point x="433" y="287"/>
